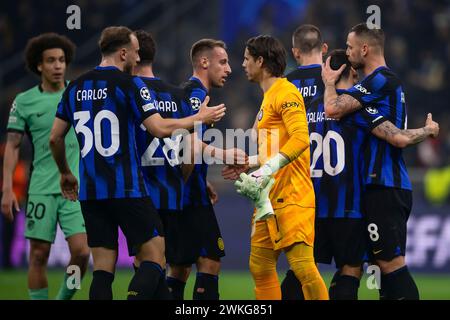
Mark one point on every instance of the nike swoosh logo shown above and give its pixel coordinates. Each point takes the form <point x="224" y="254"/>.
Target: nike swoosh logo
<point x="39" y="114"/>
<point x="377" y="252"/>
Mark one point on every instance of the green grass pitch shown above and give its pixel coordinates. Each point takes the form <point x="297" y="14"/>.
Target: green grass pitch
<point x="233" y="285"/>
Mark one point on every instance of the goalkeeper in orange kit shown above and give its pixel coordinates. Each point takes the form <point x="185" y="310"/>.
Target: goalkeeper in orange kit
<point x="284" y="219"/>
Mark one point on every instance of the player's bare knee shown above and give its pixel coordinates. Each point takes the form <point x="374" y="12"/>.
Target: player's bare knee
<point x="180" y="272"/>
<point x="39" y="257"/>
<point x="153" y="250"/>
<point x="391" y="265"/>
<point x="208" y="265"/>
<point x="353" y="271"/>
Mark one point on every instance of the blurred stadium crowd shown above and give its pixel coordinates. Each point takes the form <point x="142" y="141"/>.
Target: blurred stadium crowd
<point x="417" y="49"/>
<point x="417" y="36"/>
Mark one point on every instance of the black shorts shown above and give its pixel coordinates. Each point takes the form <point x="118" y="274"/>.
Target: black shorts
<point x="387" y="211"/>
<point x="136" y="217"/>
<point x="343" y="239"/>
<point x="190" y="234"/>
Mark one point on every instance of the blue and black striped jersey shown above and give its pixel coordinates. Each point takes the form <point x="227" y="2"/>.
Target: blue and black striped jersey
<point x="195" y="192"/>
<point x="103" y="105"/>
<point x="160" y="158"/>
<point x="308" y="80"/>
<point x="382" y="97"/>
<point x="335" y="163"/>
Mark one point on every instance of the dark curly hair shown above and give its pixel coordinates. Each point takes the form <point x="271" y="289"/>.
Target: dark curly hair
<point x="37" y="45"/>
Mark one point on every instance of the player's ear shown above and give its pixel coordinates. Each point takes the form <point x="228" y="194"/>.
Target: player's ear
<point x="123" y="54"/>
<point x="204" y="62"/>
<point x="296" y="53"/>
<point x="364" y="49"/>
<point x="260" y="61"/>
<point x="39" y="67"/>
<point x="324" y="49"/>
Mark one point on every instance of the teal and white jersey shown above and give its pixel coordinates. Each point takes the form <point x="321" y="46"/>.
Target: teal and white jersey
<point x="33" y="113"/>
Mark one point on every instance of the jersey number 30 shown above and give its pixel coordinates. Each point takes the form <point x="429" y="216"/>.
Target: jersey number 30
<point x="91" y="138"/>
<point x="323" y="147"/>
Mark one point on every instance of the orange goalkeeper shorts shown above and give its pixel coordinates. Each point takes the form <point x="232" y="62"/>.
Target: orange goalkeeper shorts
<point x="287" y="226"/>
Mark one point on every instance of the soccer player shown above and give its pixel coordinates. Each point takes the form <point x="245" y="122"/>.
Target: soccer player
<point x="159" y="158"/>
<point x="282" y="124"/>
<point x="308" y="49"/>
<point x="104" y="105"/>
<point x="204" y="244"/>
<point x="33" y="112"/>
<point x="387" y="198"/>
<point x="335" y="171"/>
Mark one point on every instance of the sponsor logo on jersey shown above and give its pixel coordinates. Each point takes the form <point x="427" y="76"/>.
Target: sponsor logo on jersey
<point x="292" y="104"/>
<point x="360" y="88"/>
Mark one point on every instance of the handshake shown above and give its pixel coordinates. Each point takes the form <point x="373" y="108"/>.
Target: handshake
<point x="256" y="186"/>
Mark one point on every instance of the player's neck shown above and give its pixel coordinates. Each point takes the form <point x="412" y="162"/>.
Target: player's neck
<point x="373" y="64"/>
<point x="267" y="81"/>
<point x="144" y="71"/>
<point x="306" y="60"/>
<point x="109" y="61"/>
<point x="203" y="79"/>
<point x="51" y="86"/>
<point x="344" y="83"/>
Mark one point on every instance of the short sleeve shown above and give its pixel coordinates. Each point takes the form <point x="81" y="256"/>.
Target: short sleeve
<point x="142" y="100"/>
<point x="196" y="98"/>
<point x="62" y="112"/>
<point x="16" y="121"/>
<point x="367" y="119"/>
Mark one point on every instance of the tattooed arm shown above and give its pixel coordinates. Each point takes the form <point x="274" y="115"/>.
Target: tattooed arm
<point x="403" y="138"/>
<point x="336" y="106"/>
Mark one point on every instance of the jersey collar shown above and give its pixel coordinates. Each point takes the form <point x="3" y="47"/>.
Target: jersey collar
<point x="309" y="66"/>
<point x="41" y="90"/>
<point x="106" y="68"/>
<point x="198" y="80"/>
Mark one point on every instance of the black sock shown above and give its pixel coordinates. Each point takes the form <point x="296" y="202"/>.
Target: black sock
<point x="206" y="287"/>
<point x="101" y="286"/>
<point x="332" y="289"/>
<point x="176" y="287"/>
<point x="345" y="288"/>
<point x="399" y="285"/>
<point x="291" y="288"/>
<point x="162" y="290"/>
<point x="145" y="281"/>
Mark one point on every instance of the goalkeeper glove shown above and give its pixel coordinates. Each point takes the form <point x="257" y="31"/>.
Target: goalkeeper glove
<point x="258" y="193"/>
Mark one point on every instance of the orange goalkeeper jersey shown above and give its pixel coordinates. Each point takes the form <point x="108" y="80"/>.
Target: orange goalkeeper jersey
<point x="282" y="127"/>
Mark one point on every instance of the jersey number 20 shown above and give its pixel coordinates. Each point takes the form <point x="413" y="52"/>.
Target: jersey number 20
<point x="323" y="147"/>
